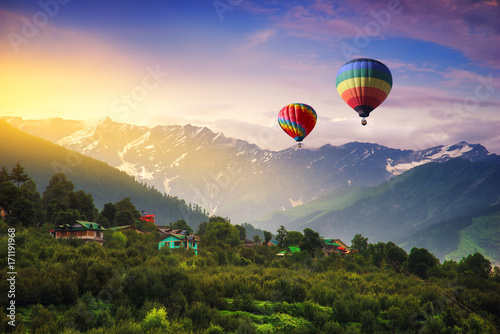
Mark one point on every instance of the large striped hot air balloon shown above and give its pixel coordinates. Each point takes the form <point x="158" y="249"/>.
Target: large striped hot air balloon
<point x="297" y="120"/>
<point x="364" y="84"/>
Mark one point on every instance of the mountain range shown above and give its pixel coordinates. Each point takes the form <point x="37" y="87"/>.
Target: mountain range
<point x="380" y="192"/>
<point x="231" y="177"/>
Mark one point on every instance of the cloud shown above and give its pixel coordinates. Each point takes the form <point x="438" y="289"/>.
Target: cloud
<point x="259" y="37"/>
<point x="470" y="27"/>
<point x="270" y="7"/>
<point x="320" y="21"/>
<point x="483" y="132"/>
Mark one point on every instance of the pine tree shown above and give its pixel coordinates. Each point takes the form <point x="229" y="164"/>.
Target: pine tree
<point x="267" y="237"/>
<point x="281" y="236"/>
<point x="58" y="189"/>
<point x="18" y="175"/>
<point x="4" y="175"/>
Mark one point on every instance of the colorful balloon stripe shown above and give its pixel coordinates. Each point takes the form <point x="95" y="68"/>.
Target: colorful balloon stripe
<point x="364" y="82"/>
<point x="374" y="94"/>
<point x="364" y="72"/>
<point x="297" y="120"/>
<point x="364" y="63"/>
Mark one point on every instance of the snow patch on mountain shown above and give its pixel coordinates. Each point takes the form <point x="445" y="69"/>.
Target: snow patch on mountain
<point x="141" y="140"/>
<point x="216" y="136"/>
<point x="91" y="146"/>
<point x="445" y="153"/>
<point x="176" y="162"/>
<point x="140" y="173"/>
<point x="296" y="202"/>
<point x="401" y="168"/>
<point x="76" y="138"/>
<point x="166" y="183"/>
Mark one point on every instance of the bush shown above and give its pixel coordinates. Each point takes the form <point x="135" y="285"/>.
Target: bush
<point x="156" y="319"/>
<point x="214" y="329"/>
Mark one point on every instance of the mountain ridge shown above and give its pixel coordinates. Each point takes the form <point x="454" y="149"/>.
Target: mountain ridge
<point x="237" y="179"/>
<point x="409" y="208"/>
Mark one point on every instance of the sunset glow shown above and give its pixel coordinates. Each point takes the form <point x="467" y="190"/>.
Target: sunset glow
<point x="232" y="68"/>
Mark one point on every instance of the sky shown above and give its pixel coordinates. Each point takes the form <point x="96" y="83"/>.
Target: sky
<point x="231" y="65"/>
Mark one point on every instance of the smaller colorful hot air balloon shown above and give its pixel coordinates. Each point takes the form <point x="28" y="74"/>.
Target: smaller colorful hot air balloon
<point x="364" y="84"/>
<point x="297" y="120"/>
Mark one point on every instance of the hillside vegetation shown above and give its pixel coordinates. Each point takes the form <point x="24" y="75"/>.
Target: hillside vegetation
<point x="129" y="286"/>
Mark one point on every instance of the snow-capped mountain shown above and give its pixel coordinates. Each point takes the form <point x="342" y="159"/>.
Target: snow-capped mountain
<point x="439" y="154"/>
<point x="237" y="179"/>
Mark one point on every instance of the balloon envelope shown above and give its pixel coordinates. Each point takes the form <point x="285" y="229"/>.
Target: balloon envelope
<point x="297" y="120"/>
<point x="364" y="84"/>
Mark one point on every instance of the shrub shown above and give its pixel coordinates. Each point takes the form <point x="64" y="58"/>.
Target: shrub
<point x="156" y="319"/>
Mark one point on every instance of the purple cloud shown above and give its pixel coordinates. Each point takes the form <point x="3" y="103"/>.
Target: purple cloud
<point x="471" y="27"/>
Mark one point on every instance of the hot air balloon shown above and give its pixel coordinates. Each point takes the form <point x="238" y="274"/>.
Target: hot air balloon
<point x="297" y="120"/>
<point x="364" y="84"/>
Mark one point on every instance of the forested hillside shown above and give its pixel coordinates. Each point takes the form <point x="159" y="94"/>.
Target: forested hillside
<point x="42" y="159"/>
<point x="129" y="286"/>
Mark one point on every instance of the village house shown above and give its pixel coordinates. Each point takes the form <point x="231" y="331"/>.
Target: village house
<point x="344" y="249"/>
<point x="178" y="239"/>
<point x="335" y="246"/>
<point x="86" y="231"/>
<point x="148" y="218"/>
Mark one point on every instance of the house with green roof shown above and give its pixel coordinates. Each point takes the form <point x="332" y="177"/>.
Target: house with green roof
<point x="86" y="231"/>
<point x="289" y="251"/>
<point x="179" y="240"/>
